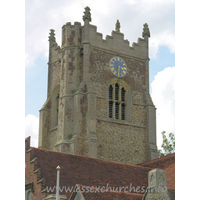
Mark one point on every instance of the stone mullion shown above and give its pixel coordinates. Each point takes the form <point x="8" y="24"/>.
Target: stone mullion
<point x="120" y="102"/>
<point x="124" y="102"/>
<point x="113" y="99"/>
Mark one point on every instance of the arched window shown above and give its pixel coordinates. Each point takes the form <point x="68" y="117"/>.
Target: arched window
<point x="117" y="102"/>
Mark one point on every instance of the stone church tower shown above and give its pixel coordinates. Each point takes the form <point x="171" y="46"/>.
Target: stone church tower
<point x="98" y="101"/>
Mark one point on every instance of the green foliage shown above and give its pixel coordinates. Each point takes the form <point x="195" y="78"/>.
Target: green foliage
<point x="69" y="135"/>
<point x="168" y="146"/>
<point x="73" y="91"/>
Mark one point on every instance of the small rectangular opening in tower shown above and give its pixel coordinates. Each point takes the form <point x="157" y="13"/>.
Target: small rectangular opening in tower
<point x="110" y="109"/>
<point x="122" y="94"/>
<point x="116" y="91"/>
<point x="110" y="92"/>
<point x="123" y="111"/>
<point x="116" y="110"/>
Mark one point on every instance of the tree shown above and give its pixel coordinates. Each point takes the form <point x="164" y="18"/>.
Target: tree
<point x="168" y="146"/>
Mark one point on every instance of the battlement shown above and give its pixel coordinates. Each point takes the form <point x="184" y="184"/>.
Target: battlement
<point x="116" y="41"/>
<point x="73" y="35"/>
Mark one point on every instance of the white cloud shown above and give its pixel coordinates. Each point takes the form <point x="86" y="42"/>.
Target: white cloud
<point x="32" y="129"/>
<point x="165" y="38"/>
<point x="163" y="95"/>
<point x="41" y="16"/>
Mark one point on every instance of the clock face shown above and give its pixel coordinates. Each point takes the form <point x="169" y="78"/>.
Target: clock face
<point x="118" y="66"/>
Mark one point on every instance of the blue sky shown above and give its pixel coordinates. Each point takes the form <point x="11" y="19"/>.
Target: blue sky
<point x="41" y="16"/>
<point x="36" y="86"/>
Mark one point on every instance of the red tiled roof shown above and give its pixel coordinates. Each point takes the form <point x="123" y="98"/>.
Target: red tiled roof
<point x="158" y="160"/>
<point x="166" y="163"/>
<point x="87" y="171"/>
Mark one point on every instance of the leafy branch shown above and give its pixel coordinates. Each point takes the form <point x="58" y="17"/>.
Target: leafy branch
<point x="168" y="145"/>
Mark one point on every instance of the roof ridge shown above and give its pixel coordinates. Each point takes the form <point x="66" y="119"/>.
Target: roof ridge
<point x="156" y="159"/>
<point x="98" y="159"/>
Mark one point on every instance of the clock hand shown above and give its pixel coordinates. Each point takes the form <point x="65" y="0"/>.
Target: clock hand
<point x="120" y="68"/>
<point x="123" y="68"/>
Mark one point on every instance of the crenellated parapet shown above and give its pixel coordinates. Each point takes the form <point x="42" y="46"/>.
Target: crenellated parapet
<point x="77" y="35"/>
<point x="117" y="42"/>
<point x="71" y="34"/>
<point x="74" y="35"/>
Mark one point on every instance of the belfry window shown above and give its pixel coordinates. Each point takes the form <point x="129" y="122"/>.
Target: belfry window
<point x="117" y="102"/>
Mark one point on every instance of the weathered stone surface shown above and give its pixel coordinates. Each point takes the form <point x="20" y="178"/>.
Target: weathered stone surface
<point x="121" y="143"/>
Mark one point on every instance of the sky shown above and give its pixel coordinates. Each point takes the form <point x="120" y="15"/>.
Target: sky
<point x="41" y="16"/>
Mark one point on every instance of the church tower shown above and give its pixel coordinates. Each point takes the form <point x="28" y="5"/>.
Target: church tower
<point x="98" y="102"/>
